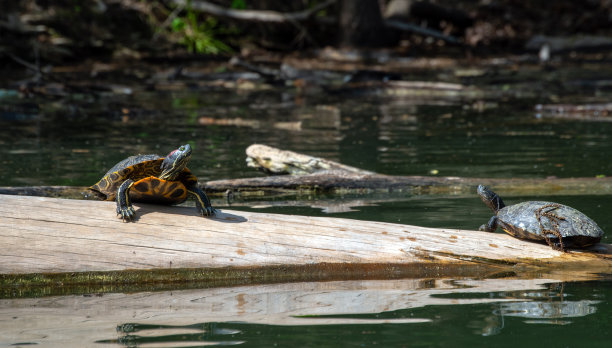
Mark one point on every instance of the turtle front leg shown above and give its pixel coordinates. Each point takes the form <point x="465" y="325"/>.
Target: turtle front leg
<point x="491" y="226"/>
<point x="202" y="202"/>
<point x="124" y="206"/>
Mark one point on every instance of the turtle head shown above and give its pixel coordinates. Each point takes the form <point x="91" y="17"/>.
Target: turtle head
<point x="490" y="198"/>
<point x="175" y="162"/>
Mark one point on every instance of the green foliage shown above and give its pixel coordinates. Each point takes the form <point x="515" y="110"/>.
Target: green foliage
<point x="239" y="4"/>
<point x="198" y="36"/>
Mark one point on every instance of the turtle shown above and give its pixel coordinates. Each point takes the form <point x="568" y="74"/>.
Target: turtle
<point x="152" y="179"/>
<point x="558" y="225"/>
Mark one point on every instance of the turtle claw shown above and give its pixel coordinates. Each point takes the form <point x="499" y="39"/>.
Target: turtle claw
<point x="127" y="213"/>
<point x="207" y="211"/>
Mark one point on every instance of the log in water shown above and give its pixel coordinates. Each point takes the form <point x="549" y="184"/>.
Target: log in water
<point x="48" y="235"/>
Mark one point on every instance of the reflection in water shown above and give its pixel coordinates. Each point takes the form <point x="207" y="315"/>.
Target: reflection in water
<point x="541" y="307"/>
<point x="551" y="310"/>
<point x="138" y="335"/>
<point x="540" y="312"/>
<point x="395" y="316"/>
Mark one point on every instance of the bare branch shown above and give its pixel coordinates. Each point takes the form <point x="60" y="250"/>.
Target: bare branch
<point x="400" y="25"/>
<point x="254" y="15"/>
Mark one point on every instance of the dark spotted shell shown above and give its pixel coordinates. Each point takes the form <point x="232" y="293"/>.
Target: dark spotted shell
<point x="144" y="170"/>
<point x="520" y="220"/>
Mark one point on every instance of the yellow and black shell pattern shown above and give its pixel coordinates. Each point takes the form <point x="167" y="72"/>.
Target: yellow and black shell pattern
<point x="148" y="187"/>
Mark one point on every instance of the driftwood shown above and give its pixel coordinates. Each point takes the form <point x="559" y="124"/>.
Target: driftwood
<point x="83" y="240"/>
<point x="276" y="161"/>
<point x="329" y="176"/>
<point x="211" y="316"/>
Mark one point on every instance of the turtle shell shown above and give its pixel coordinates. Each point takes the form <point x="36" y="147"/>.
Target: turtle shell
<point x="148" y="188"/>
<point x="156" y="190"/>
<point x="576" y="229"/>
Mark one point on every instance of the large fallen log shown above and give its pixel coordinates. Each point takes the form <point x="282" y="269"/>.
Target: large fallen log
<point x="47" y="240"/>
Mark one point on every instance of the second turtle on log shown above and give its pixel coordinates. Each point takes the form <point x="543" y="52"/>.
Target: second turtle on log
<point x="558" y="225"/>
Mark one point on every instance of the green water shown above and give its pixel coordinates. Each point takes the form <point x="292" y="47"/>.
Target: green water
<point x="74" y="140"/>
<point x="580" y="319"/>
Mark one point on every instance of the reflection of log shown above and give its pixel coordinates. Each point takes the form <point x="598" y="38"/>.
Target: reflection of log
<point x="48" y="235"/>
<point x="170" y="316"/>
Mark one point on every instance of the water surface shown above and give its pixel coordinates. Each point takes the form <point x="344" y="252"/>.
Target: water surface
<point x="388" y="313"/>
<point x="75" y="139"/>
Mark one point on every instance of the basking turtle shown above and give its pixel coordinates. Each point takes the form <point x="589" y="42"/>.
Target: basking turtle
<point x="152" y="179"/>
<point x="557" y="224"/>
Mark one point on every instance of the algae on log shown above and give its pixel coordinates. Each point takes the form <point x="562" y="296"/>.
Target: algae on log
<point x="48" y="235"/>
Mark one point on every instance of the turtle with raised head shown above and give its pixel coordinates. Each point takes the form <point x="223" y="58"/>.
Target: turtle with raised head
<point x="152" y="179"/>
<point x="558" y="225"/>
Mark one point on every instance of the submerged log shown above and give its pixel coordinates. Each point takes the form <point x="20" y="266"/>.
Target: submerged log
<point x="345" y="182"/>
<point x="47" y="240"/>
<point x="342" y="182"/>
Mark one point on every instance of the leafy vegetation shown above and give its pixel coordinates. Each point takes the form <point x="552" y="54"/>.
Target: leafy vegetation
<point x="199" y="35"/>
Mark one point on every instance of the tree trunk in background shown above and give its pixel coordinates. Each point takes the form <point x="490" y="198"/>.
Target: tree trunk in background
<point x="361" y="25"/>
